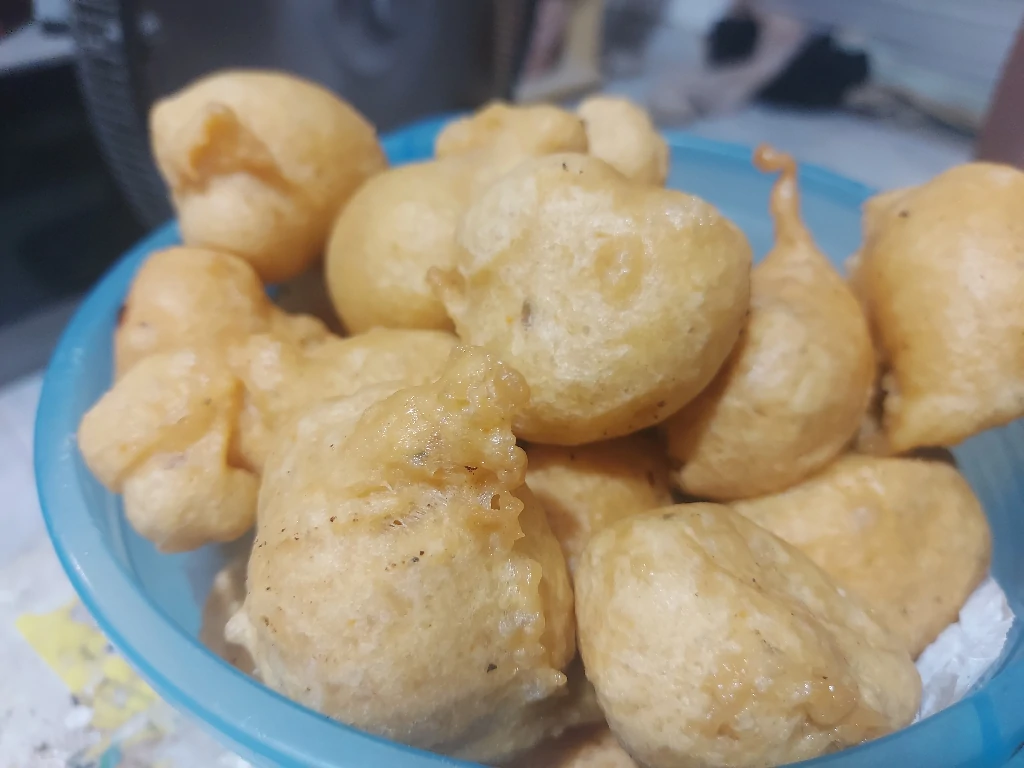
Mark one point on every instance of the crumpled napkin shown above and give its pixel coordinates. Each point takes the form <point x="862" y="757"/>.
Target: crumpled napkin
<point x="964" y="651"/>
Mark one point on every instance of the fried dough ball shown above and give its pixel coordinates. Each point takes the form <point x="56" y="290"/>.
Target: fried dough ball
<point x="227" y="593"/>
<point x="590" y="747"/>
<point x="162" y="437"/>
<point x="942" y="271"/>
<point x="515" y="131"/>
<point x="403" y="221"/>
<point x="500" y="137"/>
<point x="622" y="134"/>
<point x="798" y="383"/>
<point x="259" y="163"/>
<point x="713" y="643"/>
<point x="186" y="297"/>
<point x="617" y="302"/>
<point x="586" y="488"/>
<point x="183" y="489"/>
<point x="907" y="536"/>
<point x="191" y="297"/>
<point x="433" y="602"/>
<point x="397" y="226"/>
<point x="282" y="379"/>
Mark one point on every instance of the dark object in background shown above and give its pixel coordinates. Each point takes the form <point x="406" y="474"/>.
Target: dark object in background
<point x="395" y="60"/>
<point x="1001" y="139"/>
<point x="62" y="218"/>
<point x="628" y="26"/>
<point x="732" y="40"/>
<point x="820" y="75"/>
<point x="14" y="13"/>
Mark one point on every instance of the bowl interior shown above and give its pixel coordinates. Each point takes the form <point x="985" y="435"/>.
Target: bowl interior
<point x="150" y="604"/>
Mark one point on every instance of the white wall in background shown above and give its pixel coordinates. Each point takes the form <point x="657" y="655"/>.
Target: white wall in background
<point x="695" y="14"/>
<point x="51" y="11"/>
<point x="946" y="51"/>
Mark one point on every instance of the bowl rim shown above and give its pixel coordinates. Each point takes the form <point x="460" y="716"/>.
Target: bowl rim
<point x="254" y="719"/>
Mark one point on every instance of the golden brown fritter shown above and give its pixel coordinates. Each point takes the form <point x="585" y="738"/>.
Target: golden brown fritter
<point x="162" y="437"/>
<point x="796" y="387"/>
<point x="184" y="434"/>
<point x="399" y="225"/>
<point x="183" y="298"/>
<point x="713" y="643"/>
<point x="282" y="379"/>
<point x="259" y="163"/>
<point x="942" y="272"/>
<point x="404" y="580"/>
<point x="513" y="131"/>
<point x="622" y="134"/>
<point x="403" y="222"/>
<point x="616" y="301"/>
<point x="907" y="536"/>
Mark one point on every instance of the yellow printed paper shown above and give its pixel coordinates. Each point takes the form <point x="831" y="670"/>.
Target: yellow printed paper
<point x="81" y="656"/>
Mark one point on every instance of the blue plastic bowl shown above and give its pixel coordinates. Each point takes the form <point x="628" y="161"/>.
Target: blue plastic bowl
<point x="149" y="604"/>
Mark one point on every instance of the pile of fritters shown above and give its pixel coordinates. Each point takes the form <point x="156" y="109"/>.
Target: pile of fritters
<point x="580" y="487"/>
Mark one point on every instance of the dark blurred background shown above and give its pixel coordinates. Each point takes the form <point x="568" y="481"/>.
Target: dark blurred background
<point x="77" y="185"/>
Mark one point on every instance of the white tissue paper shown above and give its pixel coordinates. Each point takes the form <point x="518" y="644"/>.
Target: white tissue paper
<point x="965" y="650"/>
